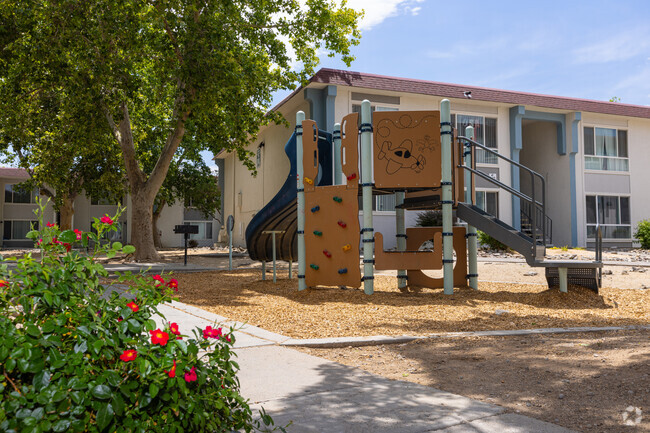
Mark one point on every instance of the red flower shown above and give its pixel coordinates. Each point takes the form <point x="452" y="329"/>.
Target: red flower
<point x="67" y="246"/>
<point x="173" y="284"/>
<point x="133" y="306"/>
<point x="208" y="332"/>
<point x="227" y="337"/>
<point x="49" y="224"/>
<point x="106" y="220"/>
<point x="119" y="319"/>
<point x="4" y="283"/>
<point x="159" y="337"/>
<point x="129" y="355"/>
<point x="191" y="375"/>
<point x="78" y="233"/>
<point x="172" y="372"/>
<point x="173" y="327"/>
<point x="40" y="241"/>
<point x="160" y="280"/>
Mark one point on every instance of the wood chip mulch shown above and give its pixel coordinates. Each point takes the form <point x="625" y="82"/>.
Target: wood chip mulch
<point x="334" y="312"/>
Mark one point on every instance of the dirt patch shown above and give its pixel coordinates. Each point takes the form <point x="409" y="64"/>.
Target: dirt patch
<point x="584" y="382"/>
<point x="333" y="312"/>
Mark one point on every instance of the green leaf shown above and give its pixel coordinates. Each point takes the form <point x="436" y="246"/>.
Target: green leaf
<point x="97" y="346"/>
<point x="105" y="416"/>
<point x="67" y="236"/>
<point x="110" y="254"/>
<point x="61" y="425"/>
<point x="134" y="326"/>
<point x="117" y="245"/>
<point x="182" y="345"/>
<point x="41" y="380"/>
<point x="33" y="234"/>
<point x="153" y="390"/>
<point x="81" y="347"/>
<point x="128" y="249"/>
<point x="118" y="404"/>
<point x="101" y="392"/>
<point x="32" y="330"/>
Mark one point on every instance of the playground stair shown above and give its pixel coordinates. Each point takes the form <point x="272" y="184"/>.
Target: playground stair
<point x="579" y="272"/>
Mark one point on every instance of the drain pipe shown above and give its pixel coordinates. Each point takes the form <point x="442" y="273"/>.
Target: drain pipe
<point x="302" y="284"/>
<point x="447" y="233"/>
<point x="472" y="247"/>
<point x="368" y="237"/>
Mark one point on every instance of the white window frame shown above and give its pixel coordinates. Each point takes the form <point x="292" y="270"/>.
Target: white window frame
<point x="496" y="139"/>
<point x="198" y="223"/>
<point x="487" y="191"/>
<point x="618" y="196"/>
<point x="32" y="201"/>
<point x="601" y="157"/>
<point x="12" y="231"/>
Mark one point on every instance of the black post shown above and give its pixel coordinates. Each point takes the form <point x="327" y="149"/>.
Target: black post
<point x="187" y="235"/>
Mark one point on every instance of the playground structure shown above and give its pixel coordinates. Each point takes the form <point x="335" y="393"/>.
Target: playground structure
<point x="417" y="156"/>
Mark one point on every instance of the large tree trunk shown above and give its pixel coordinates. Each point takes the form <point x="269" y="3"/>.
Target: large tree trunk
<point x="157" y="241"/>
<point x="66" y="212"/>
<point x="141" y="225"/>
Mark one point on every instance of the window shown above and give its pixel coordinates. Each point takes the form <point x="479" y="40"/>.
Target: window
<point x="205" y="230"/>
<point x="103" y="202"/>
<point x="605" y="149"/>
<point x="613" y="215"/>
<point x="17" y="230"/>
<point x="14" y="193"/>
<point x="488" y="201"/>
<point x="485" y="133"/>
<point x="380" y="203"/>
<point x="356" y="108"/>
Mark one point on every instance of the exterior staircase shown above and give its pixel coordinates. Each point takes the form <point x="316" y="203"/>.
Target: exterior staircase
<point x="536" y="227"/>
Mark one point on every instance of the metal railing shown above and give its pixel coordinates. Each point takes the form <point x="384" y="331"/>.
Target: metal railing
<point x="541" y="219"/>
<point x="466" y="145"/>
<point x="599" y="253"/>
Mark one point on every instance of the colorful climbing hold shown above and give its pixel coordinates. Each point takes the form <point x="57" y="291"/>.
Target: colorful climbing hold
<point x="314" y="267"/>
<point x="309" y="181"/>
<point x="343" y="271"/>
<point x="342" y="224"/>
<point x="347" y="247"/>
<point x="352" y="176"/>
<point x="337" y="199"/>
<point x="327" y="254"/>
<point x="315" y="209"/>
<point x="317" y="233"/>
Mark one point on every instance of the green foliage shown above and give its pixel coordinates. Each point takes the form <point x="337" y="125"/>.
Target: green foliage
<point x="75" y="361"/>
<point x="642" y="233"/>
<point x="429" y="218"/>
<point x="490" y="242"/>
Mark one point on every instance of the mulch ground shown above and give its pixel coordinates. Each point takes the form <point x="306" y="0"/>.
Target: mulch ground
<point x="334" y="312"/>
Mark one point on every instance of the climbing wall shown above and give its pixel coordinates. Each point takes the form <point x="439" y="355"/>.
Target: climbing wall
<point x="406" y="149"/>
<point x="332" y="232"/>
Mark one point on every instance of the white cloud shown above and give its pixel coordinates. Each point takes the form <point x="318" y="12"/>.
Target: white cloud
<point x="377" y="11"/>
<point x="617" y="48"/>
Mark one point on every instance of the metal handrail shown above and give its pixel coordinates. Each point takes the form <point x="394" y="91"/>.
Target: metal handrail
<point x="526" y="211"/>
<point x="533" y="175"/>
<point x="599" y="252"/>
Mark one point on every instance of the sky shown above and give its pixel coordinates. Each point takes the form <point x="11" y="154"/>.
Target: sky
<point x="588" y="49"/>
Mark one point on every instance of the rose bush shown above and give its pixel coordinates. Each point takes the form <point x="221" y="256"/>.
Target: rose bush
<point x="72" y="359"/>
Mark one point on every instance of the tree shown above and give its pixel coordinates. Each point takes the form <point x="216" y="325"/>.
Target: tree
<point x="52" y="146"/>
<point x="156" y="69"/>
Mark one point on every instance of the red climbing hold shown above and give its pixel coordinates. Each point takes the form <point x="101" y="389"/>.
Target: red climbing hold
<point x="342" y="224"/>
<point x="352" y="176"/>
<point x="327" y="253"/>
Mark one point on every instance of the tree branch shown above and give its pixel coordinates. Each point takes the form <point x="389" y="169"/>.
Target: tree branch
<point x="168" y="30"/>
<point x="114" y="129"/>
<point x="133" y="171"/>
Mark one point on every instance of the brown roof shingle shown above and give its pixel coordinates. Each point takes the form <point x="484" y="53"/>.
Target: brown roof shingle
<point x="433" y="88"/>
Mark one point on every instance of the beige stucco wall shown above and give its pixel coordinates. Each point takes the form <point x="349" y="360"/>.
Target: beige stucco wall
<point x="539" y="152"/>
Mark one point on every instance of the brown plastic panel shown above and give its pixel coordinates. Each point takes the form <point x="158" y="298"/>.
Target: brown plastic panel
<point x="389" y="260"/>
<point x="416" y="236"/>
<point x="310" y="153"/>
<point x="350" y="149"/>
<point x="333" y="238"/>
<point x="406" y="149"/>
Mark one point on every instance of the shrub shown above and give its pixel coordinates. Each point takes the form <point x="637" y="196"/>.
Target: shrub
<point x="192" y="243"/>
<point x="490" y="242"/>
<point x="429" y="218"/>
<point x="642" y="233"/>
<point x="73" y="360"/>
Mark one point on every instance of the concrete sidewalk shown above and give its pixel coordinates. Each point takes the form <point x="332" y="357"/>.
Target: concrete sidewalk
<point x="318" y="395"/>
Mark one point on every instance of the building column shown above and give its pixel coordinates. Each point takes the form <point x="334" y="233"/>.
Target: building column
<point x="516" y="114"/>
<point x="574" y="119"/>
